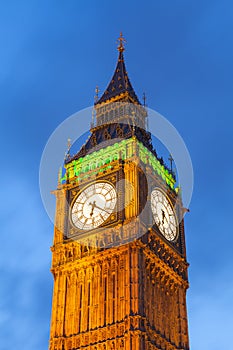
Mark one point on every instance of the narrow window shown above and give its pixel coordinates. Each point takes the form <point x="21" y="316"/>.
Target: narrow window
<point x="113" y="297"/>
<point x="80" y="308"/>
<point x="88" y="304"/>
<point x="105" y="300"/>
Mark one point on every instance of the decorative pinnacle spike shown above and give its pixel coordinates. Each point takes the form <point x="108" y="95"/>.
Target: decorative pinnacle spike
<point x="67" y="154"/>
<point x="144" y="99"/>
<point x="171" y="162"/>
<point x="121" y="41"/>
<point x="68" y="145"/>
<point x="96" y="93"/>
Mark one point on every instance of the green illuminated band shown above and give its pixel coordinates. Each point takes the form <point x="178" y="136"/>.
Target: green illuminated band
<point x="99" y="161"/>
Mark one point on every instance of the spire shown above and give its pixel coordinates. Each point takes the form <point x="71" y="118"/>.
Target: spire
<point x="120" y="85"/>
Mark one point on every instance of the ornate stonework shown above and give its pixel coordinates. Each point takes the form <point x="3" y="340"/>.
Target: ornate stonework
<point x="115" y="288"/>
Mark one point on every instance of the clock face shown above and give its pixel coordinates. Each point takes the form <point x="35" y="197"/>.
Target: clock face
<point x="164" y="215"/>
<point x="93" y="206"/>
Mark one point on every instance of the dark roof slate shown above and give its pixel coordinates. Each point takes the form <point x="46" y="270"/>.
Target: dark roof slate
<point x="119" y="83"/>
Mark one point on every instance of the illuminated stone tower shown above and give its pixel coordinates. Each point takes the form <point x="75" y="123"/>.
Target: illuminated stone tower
<point x="118" y="257"/>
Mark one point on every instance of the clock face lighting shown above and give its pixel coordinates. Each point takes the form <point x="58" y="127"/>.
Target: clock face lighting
<point x="164" y="215"/>
<point x="93" y="206"/>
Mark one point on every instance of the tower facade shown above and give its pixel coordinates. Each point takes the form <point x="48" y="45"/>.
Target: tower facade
<point x="118" y="256"/>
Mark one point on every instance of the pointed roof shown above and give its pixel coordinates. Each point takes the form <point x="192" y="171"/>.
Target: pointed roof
<point x="120" y="84"/>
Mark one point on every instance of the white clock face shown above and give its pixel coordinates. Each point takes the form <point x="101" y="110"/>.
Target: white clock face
<point x="164" y="215"/>
<point x="93" y="205"/>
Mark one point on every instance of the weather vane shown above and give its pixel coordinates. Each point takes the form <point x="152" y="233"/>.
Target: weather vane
<point x="121" y="41"/>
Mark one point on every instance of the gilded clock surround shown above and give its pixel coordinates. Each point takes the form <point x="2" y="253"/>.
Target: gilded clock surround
<point x="114" y="288"/>
<point x="164" y="214"/>
<point x="112" y="177"/>
<point x="85" y="214"/>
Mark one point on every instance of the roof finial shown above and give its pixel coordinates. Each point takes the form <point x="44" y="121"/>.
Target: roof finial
<point x="121" y="40"/>
<point x="144" y="99"/>
<point x="69" y="145"/>
<point x="171" y="162"/>
<point x="67" y="154"/>
<point x="59" y="175"/>
<point x="96" y="93"/>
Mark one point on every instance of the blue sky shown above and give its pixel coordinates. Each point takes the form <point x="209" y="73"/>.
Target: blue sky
<point x="53" y="54"/>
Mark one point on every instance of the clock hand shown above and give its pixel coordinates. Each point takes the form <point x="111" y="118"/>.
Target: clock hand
<point x="85" y="222"/>
<point x="96" y="206"/>
<point x="163" y="216"/>
<point x="92" y="209"/>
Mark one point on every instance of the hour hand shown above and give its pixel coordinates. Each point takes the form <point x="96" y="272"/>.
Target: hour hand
<point x="92" y="209"/>
<point x="163" y="216"/>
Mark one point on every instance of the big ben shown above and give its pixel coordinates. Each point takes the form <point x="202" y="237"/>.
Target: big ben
<point x="118" y="256"/>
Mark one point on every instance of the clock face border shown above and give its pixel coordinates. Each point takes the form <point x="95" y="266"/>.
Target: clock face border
<point x="170" y="204"/>
<point x="112" y="215"/>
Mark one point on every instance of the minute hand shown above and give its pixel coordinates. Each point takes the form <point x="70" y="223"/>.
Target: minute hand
<point x="96" y="206"/>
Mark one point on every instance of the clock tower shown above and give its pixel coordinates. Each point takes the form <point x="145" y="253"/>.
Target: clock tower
<point x="118" y="256"/>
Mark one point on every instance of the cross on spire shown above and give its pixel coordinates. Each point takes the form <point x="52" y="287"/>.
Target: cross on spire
<point x="121" y="40"/>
